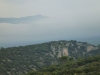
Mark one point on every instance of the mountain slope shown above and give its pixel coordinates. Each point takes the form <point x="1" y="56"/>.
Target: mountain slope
<point x="19" y="60"/>
<point x="87" y="66"/>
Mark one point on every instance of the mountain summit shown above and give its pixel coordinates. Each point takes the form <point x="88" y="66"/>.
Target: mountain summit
<point x="27" y="19"/>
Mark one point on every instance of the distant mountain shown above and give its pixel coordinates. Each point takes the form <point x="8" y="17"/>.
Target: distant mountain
<point x="26" y="19"/>
<point x="19" y="60"/>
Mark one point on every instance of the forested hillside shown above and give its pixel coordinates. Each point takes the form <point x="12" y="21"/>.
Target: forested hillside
<point x="87" y="66"/>
<point x="22" y="59"/>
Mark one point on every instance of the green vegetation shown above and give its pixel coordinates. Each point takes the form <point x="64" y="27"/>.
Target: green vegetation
<point x="87" y="66"/>
<point x="19" y="60"/>
<point x="22" y="59"/>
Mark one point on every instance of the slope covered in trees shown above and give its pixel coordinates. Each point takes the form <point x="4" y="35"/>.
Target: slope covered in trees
<point x="22" y="59"/>
<point x="87" y="66"/>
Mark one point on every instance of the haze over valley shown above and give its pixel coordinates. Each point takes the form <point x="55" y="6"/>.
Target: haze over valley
<point x="49" y="37"/>
<point x="25" y="22"/>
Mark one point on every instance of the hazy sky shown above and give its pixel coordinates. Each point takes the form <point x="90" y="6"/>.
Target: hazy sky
<point x="69" y="19"/>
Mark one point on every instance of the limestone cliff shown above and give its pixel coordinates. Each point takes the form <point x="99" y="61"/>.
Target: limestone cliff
<point x="71" y="48"/>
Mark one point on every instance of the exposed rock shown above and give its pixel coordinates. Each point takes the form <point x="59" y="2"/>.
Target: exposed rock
<point x="53" y="50"/>
<point x="89" y="48"/>
<point x="59" y="52"/>
<point x="65" y="51"/>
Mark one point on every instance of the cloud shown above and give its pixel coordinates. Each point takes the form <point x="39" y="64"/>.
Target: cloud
<point x="19" y="8"/>
<point x="70" y="19"/>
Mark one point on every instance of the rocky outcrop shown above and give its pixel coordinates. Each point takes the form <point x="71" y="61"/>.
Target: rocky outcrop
<point x="53" y="49"/>
<point x="58" y="51"/>
<point x="89" y="48"/>
<point x="65" y="51"/>
<point x="71" y="48"/>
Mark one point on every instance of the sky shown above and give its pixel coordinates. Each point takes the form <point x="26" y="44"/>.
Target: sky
<point x="69" y="20"/>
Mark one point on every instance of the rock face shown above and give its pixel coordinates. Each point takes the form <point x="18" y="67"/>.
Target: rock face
<point x="65" y="52"/>
<point x="89" y="48"/>
<point x="71" y="48"/>
<point x="58" y="51"/>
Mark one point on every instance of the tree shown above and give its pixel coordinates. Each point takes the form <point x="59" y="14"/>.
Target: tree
<point x="63" y="59"/>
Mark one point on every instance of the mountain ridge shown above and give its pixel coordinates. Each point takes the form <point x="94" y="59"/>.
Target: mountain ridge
<point x="26" y="19"/>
